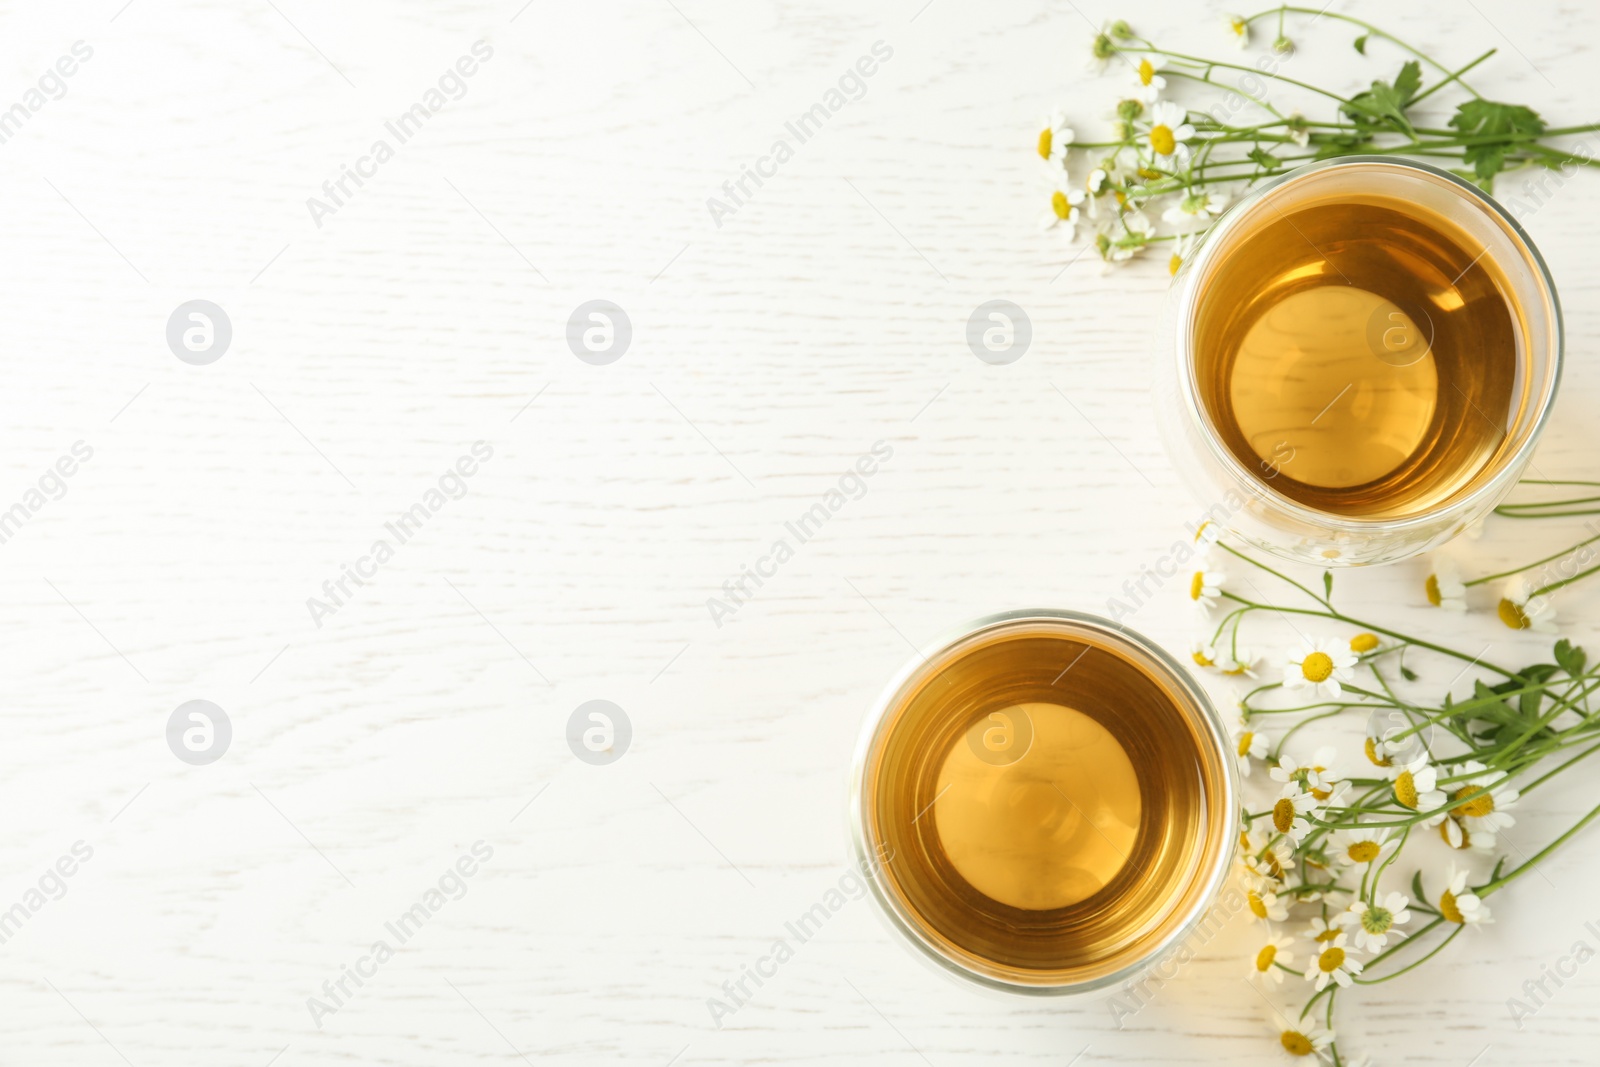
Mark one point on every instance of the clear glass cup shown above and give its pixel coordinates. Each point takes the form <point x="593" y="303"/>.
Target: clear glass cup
<point x="1179" y="864"/>
<point x="1239" y="496"/>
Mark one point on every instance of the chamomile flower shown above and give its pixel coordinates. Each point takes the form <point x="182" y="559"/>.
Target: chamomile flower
<point x="1363" y="643"/>
<point x="1322" y="665"/>
<point x="1523" y="609"/>
<point x="1239" y="663"/>
<point x="1268" y="866"/>
<point x="1377" y="751"/>
<point x="1312" y="775"/>
<point x="1416" y="787"/>
<point x="1396" y="746"/>
<point x="1248" y="744"/>
<point x="1055" y="139"/>
<point x="1444" y="586"/>
<point x="1332" y="794"/>
<point x="1148" y="82"/>
<point x="1321" y="931"/>
<point x="1239" y="28"/>
<point x="1363" y="845"/>
<point x="1094" y="187"/>
<point x="1063" y="213"/>
<point x="1311" y="1041"/>
<point x="1101" y="51"/>
<point x="1460" y="905"/>
<point x="1372" y="924"/>
<point x="1265" y="968"/>
<point x="1460" y="838"/>
<point x="1134" y="237"/>
<point x="1168" y="132"/>
<point x="1195" y="206"/>
<point x="1265" y="906"/>
<point x="1333" y="964"/>
<point x="1289" y="812"/>
<point x="1487" y="798"/>
<point x="1205" y="588"/>
<point x="1182" y="249"/>
<point x="1298" y="129"/>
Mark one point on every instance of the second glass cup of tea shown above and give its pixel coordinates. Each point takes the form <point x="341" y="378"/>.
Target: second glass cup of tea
<point x="1358" y="360"/>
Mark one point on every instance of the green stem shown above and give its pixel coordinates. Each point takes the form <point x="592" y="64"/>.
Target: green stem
<point x="1371" y="29"/>
<point x="1535" y="563"/>
<point x="1517" y="872"/>
<point x="1413" y="965"/>
<point x="1455" y="76"/>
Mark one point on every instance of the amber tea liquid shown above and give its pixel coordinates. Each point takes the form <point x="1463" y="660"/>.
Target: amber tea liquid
<point x="1046" y="805"/>
<point x="1360" y="356"/>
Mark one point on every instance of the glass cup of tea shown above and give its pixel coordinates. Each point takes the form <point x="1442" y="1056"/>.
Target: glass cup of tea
<point x="1047" y="805"/>
<point x="1357" y="361"/>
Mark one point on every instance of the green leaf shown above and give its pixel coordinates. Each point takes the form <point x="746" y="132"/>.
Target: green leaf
<point x="1487" y="705"/>
<point x="1537" y="674"/>
<point x="1385" y="104"/>
<point x="1416" y="887"/>
<point x="1571" y="658"/>
<point x="1265" y="160"/>
<point x="1499" y="127"/>
<point x="1407" y="673"/>
<point x="1327" y="583"/>
<point x="1361" y="44"/>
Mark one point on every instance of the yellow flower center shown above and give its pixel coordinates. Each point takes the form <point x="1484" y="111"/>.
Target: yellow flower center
<point x="1149" y="175"/>
<point x="1432" y="588"/>
<point x="1174" y="263"/>
<point x="1405" y="789"/>
<point x="1327" y="935"/>
<point x="1363" y="851"/>
<point x="1330" y="960"/>
<point x="1258" y="907"/>
<point x="1373" y="757"/>
<point x="1363" y="642"/>
<point x="1317" y="667"/>
<point x="1059" y="204"/>
<point x="1245" y="740"/>
<point x="1197" y="585"/>
<point x="1201" y="531"/>
<point x="1265" y="957"/>
<point x="1449" y="909"/>
<point x="1162" y="140"/>
<point x="1283" y="815"/>
<point x="1236" y="670"/>
<point x="1295" y="1043"/>
<point x="1461" y="840"/>
<point x="1239" y="26"/>
<point x="1273" y="866"/>
<point x="1206" y="661"/>
<point x="1481" y="804"/>
<point x="1047" y="140"/>
<point x="1513" y="616"/>
<point x="1147" y="72"/>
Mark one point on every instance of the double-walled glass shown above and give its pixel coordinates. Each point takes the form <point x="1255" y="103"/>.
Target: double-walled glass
<point x="1044" y="935"/>
<point x="1238" y="491"/>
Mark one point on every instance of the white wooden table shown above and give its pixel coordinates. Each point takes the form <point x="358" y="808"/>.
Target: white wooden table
<point x="428" y="711"/>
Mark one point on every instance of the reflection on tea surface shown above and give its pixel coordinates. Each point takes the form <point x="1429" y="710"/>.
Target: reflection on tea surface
<point x="1358" y="356"/>
<point x="1050" y="802"/>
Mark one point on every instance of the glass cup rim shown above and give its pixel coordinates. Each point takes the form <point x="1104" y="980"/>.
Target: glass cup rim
<point x="1208" y="721"/>
<point x="1510" y="465"/>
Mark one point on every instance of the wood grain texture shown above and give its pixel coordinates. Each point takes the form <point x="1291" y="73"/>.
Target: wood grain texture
<point x="429" y="312"/>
